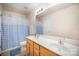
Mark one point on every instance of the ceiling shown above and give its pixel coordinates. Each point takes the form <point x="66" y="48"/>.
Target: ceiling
<point x="39" y="8"/>
<point x="55" y="8"/>
<point x="24" y="7"/>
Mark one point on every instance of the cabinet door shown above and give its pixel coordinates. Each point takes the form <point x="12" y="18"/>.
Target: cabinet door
<point x="31" y="50"/>
<point x="36" y="49"/>
<point x="27" y="49"/>
<point x="31" y="47"/>
<point x="46" y="52"/>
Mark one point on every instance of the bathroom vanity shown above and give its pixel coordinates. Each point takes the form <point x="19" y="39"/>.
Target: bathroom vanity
<point x="50" y="46"/>
<point x="35" y="49"/>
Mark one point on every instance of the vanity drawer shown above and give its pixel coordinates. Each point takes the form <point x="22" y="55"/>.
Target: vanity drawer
<point x="30" y="42"/>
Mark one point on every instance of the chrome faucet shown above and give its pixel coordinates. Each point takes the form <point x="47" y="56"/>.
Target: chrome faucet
<point x="37" y="35"/>
<point x="60" y="42"/>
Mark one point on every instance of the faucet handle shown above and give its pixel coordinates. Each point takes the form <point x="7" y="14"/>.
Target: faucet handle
<point x="61" y="42"/>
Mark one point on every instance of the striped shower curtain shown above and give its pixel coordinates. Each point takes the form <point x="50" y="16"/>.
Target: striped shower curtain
<point x="14" y="31"/>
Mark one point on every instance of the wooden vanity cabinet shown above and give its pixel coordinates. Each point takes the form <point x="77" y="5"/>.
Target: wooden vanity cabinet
<point x="29" y="48"/>
<point x="34" y="49"/>
<point x="45" y="52"/>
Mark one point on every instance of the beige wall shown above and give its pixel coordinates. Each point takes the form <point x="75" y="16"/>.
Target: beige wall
<point x="32" y="20"/>
<point x="10" y="17"/>
<point x="64" y="22"/>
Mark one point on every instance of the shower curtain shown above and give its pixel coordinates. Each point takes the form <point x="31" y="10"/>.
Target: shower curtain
<point x="15" y="29"/>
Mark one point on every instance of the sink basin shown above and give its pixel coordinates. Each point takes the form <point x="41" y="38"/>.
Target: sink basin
<point x="69" y="49"/>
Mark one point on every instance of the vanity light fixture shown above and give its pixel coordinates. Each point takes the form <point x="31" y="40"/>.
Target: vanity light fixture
<point x="41" y="9"/>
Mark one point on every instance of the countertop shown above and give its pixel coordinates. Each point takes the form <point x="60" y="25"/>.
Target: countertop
<point x="59" y="45"/>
